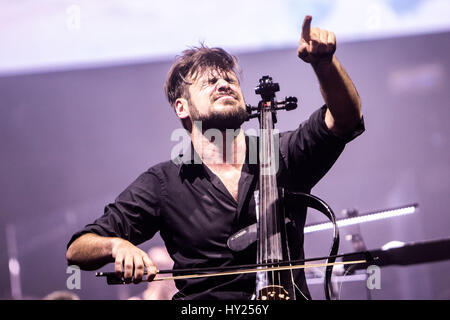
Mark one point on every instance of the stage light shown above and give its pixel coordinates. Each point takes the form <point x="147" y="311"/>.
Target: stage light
<point x="14" y="266"/>
<point x="396" y="212"/>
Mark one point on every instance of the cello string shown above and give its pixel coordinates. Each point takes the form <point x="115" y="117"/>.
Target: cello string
<point x="263" y="235"/>
<point x="274" y="195"/>
<point x="272" y="185"/>
<point x="267" y="238"/>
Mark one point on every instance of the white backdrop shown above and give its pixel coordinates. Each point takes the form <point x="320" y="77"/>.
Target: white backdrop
<point x="42" y="35"/>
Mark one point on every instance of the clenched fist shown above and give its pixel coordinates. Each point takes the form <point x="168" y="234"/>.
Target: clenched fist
<point x="131" y="262"/>
<point x="316" y="45"/>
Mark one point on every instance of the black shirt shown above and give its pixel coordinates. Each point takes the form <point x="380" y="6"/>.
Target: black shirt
<point x="196" y="214"/>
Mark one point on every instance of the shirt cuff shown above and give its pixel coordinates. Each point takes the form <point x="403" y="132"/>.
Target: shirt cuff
<point x="358" y="130"/>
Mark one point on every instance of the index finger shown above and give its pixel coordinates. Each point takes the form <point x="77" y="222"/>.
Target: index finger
<point x="306" y="27"/>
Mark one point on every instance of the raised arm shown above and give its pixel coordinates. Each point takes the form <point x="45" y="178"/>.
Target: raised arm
<point x="317" y="47"/>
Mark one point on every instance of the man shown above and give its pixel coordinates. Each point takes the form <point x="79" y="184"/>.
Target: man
<point x="197" y="206"/>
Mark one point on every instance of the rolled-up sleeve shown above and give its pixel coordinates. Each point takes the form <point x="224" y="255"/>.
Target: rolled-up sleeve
<point x="311" y="150"/>
<point x="134" y="215"/>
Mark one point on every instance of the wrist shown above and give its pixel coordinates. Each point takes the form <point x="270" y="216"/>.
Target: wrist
<point x="325" y="63"/>
<point x="114" y="244"/>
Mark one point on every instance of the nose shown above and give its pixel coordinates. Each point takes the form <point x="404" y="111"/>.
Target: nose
<point x="223" y="85"/>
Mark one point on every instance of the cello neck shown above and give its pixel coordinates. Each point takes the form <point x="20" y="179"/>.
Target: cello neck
<point x="269" y="226"/>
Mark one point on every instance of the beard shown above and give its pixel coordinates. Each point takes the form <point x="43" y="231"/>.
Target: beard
<point x="231" y="117"/>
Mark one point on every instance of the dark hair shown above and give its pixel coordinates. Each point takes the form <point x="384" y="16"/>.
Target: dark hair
<point x="193" y="62"/>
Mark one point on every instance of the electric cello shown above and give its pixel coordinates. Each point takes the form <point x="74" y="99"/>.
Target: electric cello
<point x="275" y="205"/>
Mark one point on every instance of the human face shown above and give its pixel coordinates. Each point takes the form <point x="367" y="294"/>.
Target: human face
<point x="216" y="100"/>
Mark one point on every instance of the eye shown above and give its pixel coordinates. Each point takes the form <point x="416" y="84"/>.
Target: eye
<point x="212" y="80"/>
<point x="230" y="80"/>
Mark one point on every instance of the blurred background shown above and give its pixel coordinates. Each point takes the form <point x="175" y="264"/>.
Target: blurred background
<point x="83" y="113"/>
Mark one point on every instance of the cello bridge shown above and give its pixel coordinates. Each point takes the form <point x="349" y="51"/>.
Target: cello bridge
<point x="273" y="292"/>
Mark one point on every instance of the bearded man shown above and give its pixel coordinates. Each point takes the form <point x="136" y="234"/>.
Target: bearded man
<point x="197" y="206"/>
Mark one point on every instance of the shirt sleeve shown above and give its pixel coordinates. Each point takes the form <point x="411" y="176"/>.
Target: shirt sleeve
<point x="311" y="150"/>
<point x="134" y="215"/>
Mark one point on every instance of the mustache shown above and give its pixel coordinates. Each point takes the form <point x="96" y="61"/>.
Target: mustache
<point x="223" y="94"/>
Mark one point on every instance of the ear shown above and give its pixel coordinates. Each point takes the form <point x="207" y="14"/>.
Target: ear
<point x="181" y="106"/>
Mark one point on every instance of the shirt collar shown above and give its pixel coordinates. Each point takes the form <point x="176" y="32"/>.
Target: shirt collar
<point x="188" y="161"/>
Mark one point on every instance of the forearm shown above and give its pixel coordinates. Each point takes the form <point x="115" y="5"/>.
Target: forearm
<point x="91" y="251"/>
<point x="340" y="95"/>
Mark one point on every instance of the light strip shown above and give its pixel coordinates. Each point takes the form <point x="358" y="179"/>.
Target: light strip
<point x="361" y="219"/>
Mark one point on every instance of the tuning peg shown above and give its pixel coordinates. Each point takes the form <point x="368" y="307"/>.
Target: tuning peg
<point x="290" y="100"/>
<point x="289" y="103"/>
<point x="291" y="106"/>
<point x="250" y="108"/>
<point x="251" y="116"/>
